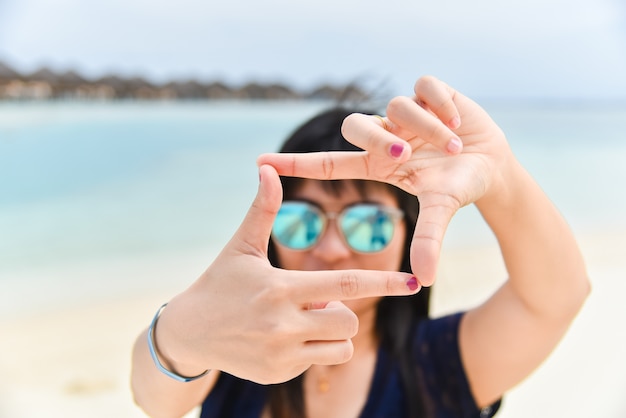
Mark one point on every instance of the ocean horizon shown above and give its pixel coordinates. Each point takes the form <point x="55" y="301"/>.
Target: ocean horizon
<point x="86" y="182"/>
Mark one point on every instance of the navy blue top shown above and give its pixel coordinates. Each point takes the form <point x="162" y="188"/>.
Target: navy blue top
<point x="439" y="369"/>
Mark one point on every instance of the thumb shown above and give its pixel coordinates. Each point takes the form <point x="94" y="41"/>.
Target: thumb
<point x="257" y="225"/>
<point x="432" y="222"/>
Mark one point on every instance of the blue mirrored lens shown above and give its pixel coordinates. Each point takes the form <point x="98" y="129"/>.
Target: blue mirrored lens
<point x="297" y="225"/>
<point x="367" y="228"/>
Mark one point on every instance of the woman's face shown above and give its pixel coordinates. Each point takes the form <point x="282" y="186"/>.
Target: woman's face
<point x="331" y="252"/>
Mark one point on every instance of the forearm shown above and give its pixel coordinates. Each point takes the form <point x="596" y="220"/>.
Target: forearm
<point x="159" y="395"/>
<point x="546" y="269"/>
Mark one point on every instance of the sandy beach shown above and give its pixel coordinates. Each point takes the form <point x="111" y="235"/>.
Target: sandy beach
<point x="74" y="360"/>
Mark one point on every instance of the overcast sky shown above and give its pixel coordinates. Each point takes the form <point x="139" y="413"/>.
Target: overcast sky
<point x="487" y="48"/>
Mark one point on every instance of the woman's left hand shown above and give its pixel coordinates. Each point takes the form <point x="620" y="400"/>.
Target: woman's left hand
<point x="438" y="145"/>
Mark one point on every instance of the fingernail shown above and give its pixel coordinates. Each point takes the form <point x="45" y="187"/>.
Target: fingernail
<point x="454" y="146"/>
<point x="412" y="283"/>
<point x="396" y="150"/>
<point x="455" y="122"/>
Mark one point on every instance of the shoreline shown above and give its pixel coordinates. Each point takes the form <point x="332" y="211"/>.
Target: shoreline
<point x="74" y="359"/>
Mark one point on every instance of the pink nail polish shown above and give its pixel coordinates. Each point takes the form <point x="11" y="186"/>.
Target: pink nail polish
<point x="396" y="150"/>
<point x="412" y="283"/>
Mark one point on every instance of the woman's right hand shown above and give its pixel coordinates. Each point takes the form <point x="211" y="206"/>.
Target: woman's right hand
<point x="260" y="323"/>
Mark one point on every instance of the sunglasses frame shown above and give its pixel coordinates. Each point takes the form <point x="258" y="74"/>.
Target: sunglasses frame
<point x="395" y="215"/>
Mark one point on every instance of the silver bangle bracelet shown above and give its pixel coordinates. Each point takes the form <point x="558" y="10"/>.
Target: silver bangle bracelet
<point x="155" y="357"/>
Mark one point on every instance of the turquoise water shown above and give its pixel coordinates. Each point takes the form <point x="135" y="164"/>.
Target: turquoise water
<point x="86" y="181"/>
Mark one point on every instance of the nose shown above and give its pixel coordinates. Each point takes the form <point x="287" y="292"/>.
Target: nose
<point x="331" y="247"/>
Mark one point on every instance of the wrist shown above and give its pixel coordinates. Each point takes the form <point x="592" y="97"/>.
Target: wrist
<point x="506" y="188"/>
<point x="162" y="362"/>
<point x="517" y="205"/>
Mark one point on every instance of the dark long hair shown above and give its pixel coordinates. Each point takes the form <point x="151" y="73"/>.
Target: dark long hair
<point x="396" y="316"/>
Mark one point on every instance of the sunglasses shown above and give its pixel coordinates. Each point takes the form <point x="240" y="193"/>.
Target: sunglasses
<point x="365" y="227"/>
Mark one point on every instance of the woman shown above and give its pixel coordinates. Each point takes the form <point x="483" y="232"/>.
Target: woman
<point x="270" y="325"/>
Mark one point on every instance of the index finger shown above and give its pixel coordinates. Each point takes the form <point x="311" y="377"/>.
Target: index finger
<point x="328" y="285"/>
<point x="330" y="165"/>
<point x="373" y="133"/>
